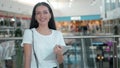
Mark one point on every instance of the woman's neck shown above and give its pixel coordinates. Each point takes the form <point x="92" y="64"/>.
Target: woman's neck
<point x="44" y="30"/>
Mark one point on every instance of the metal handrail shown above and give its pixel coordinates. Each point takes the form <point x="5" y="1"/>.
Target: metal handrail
<point x="68" y="37"/>
<point x="105" y="36"/>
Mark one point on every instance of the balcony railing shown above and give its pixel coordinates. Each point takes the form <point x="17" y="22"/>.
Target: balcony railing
<point x="86" y="52"/>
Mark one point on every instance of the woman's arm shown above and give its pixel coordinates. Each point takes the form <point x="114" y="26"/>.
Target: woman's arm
<point x="59" y="55"/>
<point x="59" y="58"/>
<point x="27" y="55"/>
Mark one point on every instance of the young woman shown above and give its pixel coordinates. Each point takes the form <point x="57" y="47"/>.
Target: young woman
<point x="47" y="40"/>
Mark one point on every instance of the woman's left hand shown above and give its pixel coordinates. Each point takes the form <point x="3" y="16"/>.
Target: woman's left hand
<point x="58" y="50"/>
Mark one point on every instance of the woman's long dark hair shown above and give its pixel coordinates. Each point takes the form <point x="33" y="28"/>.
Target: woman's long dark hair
<point x="34" y="23"/>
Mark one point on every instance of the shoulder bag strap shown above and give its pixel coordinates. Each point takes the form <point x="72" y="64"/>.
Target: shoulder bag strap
<point x="36" y="59"/>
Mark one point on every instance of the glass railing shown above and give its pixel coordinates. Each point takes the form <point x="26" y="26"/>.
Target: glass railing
<point x="11" y="53"/>
<point x="85" y="52"/>
<point x="119" y="3"/>
<point x="93" y="52"/>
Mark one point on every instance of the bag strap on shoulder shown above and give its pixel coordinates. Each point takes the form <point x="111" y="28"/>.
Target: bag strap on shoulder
<point x="36" y="59"/>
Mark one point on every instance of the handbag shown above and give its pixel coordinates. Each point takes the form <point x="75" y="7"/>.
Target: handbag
<point x="36" y="59"/>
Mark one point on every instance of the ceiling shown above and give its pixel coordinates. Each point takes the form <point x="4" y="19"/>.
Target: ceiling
<point x="60" y="7"/>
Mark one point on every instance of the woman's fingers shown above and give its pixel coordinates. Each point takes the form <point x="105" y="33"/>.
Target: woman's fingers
<point x="58" y="49"/>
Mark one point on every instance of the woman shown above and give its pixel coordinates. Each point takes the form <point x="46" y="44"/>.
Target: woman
<point x="47" y="39"/>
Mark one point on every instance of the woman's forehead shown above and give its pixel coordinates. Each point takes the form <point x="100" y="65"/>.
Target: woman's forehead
<point x="41" y="7"/>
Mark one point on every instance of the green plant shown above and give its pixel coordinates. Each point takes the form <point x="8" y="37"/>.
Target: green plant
<point x="19" y="49"/>
<point x="1" y="23"/>
<point x="6" y="22"/>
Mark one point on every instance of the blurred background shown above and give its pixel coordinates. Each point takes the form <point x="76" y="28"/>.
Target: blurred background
<point x="90" y="27"/>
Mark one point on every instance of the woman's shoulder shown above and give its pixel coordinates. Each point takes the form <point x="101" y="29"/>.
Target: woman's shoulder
<point x="29" y="30"/>
<point x="57" y="31"/>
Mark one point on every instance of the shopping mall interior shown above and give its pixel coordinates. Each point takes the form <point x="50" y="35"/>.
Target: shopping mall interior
<point x="90" y="27"/>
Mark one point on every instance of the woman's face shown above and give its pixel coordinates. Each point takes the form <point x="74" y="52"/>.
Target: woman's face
<point x="42" y="15"/>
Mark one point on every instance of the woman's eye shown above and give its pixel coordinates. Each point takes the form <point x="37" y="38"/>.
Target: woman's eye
<point x="37" y="13"/>
<point x="45" y="12"/>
